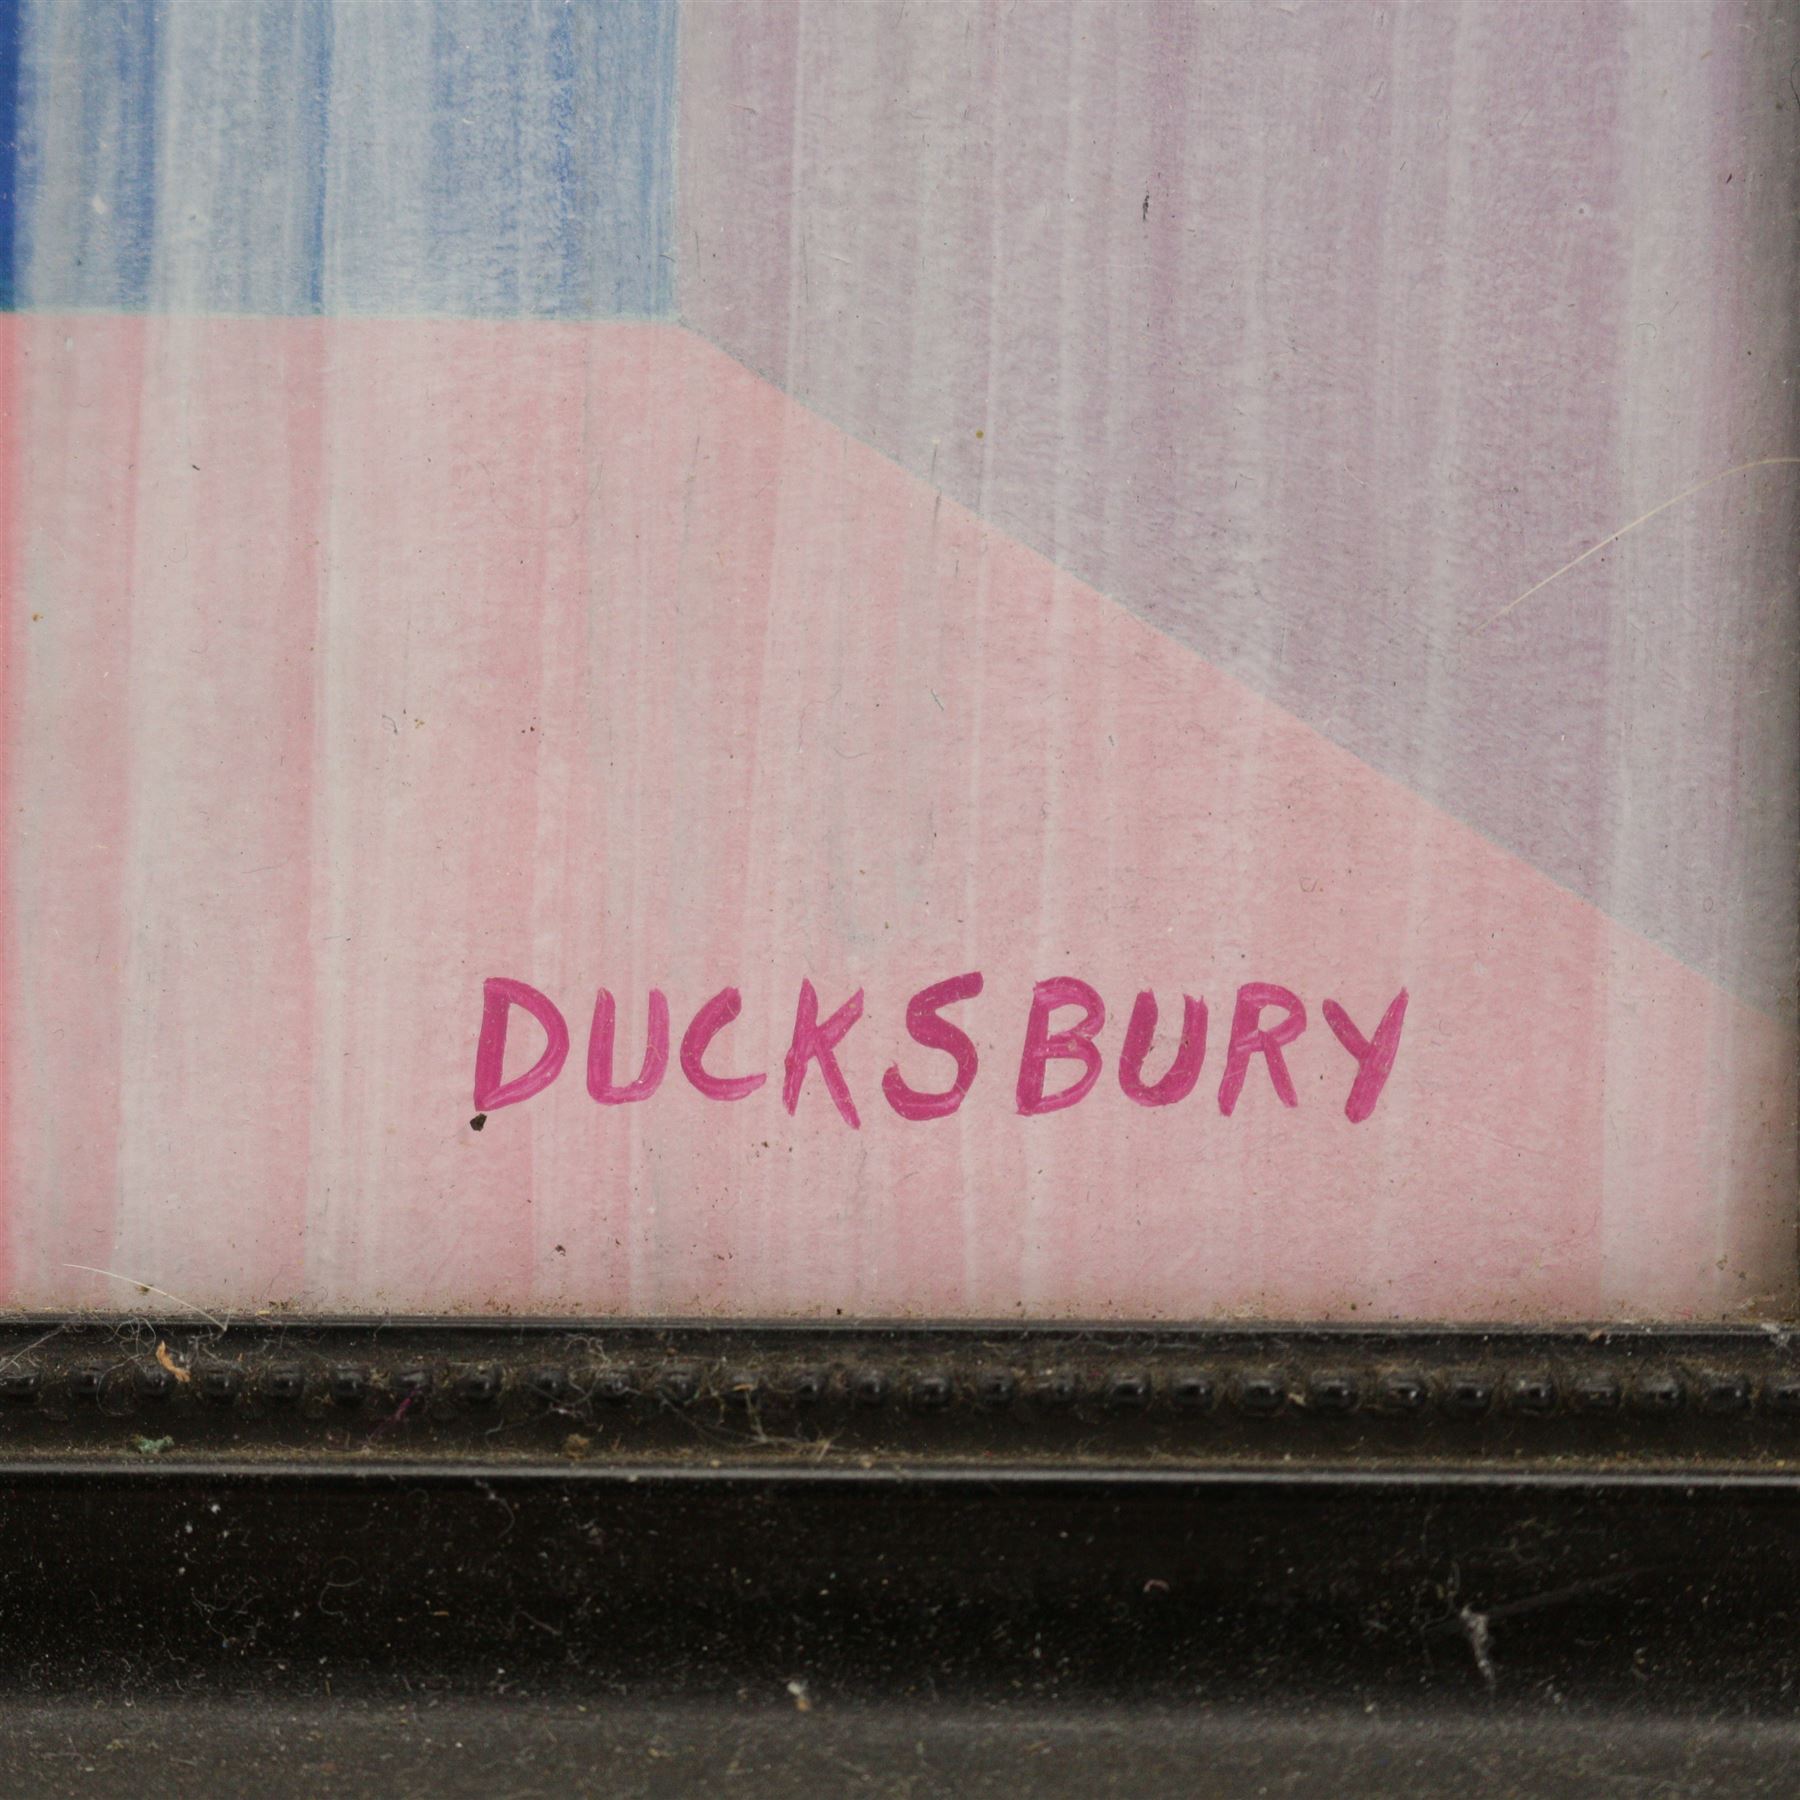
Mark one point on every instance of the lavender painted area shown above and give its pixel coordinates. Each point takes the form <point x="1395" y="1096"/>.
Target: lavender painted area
<point x="1317" y="336"/>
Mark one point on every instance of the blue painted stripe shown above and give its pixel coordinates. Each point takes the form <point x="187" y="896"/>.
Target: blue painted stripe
<point x="9" y="141"/>
<point x="465" y="157"/>
<point x="85" y="202"/>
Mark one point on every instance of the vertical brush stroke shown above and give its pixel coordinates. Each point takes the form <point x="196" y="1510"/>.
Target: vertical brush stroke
<point x="411" y="157"/>
<point x="579" y="655"/>
<point x="10" y="896"/>
<point x="9" y="146"/>
<point x="1314" y="335"/>
<point x="506" y="159"/>
<point x="86" y="200"/>
<point x="73" y="557"/>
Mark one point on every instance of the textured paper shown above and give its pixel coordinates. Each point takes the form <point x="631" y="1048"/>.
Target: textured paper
<point x="611" y="497"/>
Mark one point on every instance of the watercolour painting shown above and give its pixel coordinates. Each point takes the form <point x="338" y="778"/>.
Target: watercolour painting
<point x="754" y="660"/>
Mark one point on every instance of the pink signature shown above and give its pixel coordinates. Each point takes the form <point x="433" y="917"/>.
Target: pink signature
<point x="1265" y="1019"/>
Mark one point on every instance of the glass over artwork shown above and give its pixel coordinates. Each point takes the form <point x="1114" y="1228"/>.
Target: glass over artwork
<point x="865" y="660"/>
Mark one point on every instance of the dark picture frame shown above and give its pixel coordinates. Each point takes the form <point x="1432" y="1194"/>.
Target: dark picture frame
<point x="643" y="1557"/>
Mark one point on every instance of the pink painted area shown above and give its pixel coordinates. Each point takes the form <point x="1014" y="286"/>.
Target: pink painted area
<point x="169" y="521"/>
<point x="71" y="434"/>
<point x="11" y="598"/>
<point x="583" y="658"/>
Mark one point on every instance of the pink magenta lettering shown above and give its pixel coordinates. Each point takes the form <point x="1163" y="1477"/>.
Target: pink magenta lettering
<point x="600" y="1052"/>
<point x="709" y="1021"/>
<point x="499" y="997"/>
<point x="813" y="1042"/>
<point x="1248" y="1039"/>
<point x="925" y="1027"/>
<point x="1374" y="1061"/>
<point x="1190" y="1053"/>
<point x="1266" y="1019"/>
<point x="1043" y="1046"/>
